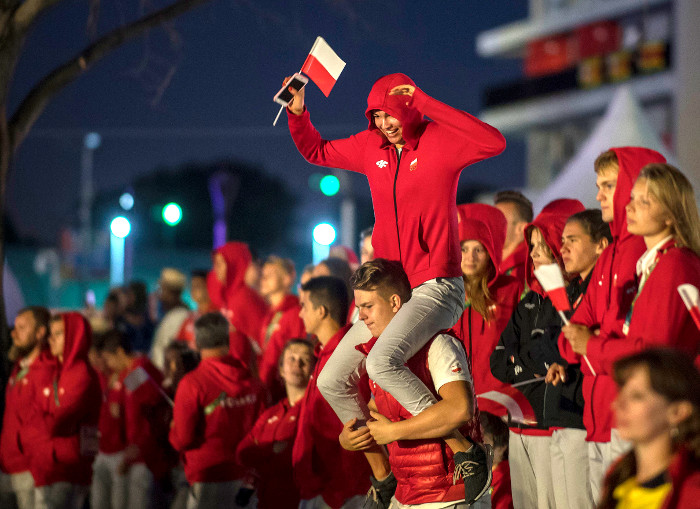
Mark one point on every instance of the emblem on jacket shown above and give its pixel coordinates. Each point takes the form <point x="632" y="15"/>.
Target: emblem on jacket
<point x="456" y="368"/>
<point x="414" y="165"/>
<point x="382" y="163"/>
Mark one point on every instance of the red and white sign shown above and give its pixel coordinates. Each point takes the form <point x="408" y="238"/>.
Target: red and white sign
<point x="323" y="66"/>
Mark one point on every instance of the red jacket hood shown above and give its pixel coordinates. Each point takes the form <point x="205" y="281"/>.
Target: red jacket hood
<point x="78" y="338"/>
<point x="551" y="223"/>
<point x="631" y="161"/>
<point x="486" y="224"/>
<point x="237" y="256"/>
<point x="398" y="106"/>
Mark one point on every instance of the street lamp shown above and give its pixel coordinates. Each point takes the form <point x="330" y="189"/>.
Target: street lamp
<point x="323" y="236"/>
<point x="119" y="228"/>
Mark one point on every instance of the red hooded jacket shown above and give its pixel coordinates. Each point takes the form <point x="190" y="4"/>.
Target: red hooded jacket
<point x="610" y="293"/>
<point x="416" y="227"/>
<point x="321" y="466"/>
<point x="241" y="305"/>
<point x="514" y="265"/>
<point x="215" y="406"/>
<point x="423" y="468"/>
<point x="65" y="450"/>
<point x="24" y="387"/>
<point x="486" y="224"/>
<point x="112" y="426"/>
<point x="267" y="449"/>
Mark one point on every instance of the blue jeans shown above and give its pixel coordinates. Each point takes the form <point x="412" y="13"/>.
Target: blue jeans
<point x="434" y="305"/>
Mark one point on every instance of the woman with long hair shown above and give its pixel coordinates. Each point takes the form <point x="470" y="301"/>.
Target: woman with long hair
<point x="658" y="410"/>
<point x="663" y="212"/>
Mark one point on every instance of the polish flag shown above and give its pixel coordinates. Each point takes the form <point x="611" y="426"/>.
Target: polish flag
<point x="691" y="297"/>
<point x="323" y="66"/>
<point x="552" y="280"/>
<point x="508" y="399"/>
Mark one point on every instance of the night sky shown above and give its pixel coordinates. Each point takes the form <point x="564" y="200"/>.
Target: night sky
<point x="231" y="60"/>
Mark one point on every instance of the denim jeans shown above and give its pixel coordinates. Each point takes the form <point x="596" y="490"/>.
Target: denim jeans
<point x="434" y="305"/>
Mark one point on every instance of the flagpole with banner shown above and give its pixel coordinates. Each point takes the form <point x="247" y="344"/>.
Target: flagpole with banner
<point x="552" y="281"/>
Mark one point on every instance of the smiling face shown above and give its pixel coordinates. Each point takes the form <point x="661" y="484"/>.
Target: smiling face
<point x="645" y="214"/>
<point x="606" y="182"/>
<point x="539" y="251"/>
<point x="390" y="127"/>
<point x="475" y="259"/>
<point x="578" y="251"/>
<point x="375" y="310"/>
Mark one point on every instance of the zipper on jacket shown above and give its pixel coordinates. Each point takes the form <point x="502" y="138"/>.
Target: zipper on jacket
<point x="396" y="208"/>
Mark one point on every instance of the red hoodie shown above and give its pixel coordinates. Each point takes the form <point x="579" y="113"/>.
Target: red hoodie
<point x="610" y="294"/>
<point x="413" y="226"/>
<point x="486" y="224"/>
<point x="514" y="265"/>
<point x="215" y="406"/>
<point x="281" y="324"/>
<point x="321" y="466"/>
<point x="25" y="386"/>
<point x="241" y="305"/>
<point x="267" y="449"/>
<point x="70" y="439"/>
<point x="111" y="426"/>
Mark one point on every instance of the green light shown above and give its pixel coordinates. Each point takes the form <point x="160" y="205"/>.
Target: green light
<point x="172" y="214"/>
<point x="330" y="185"/>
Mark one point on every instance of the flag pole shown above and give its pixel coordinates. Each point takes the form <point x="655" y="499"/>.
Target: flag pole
<point x="278" y="116"/>
<point x="585" y="357"/>
<point x="528" y="382"/>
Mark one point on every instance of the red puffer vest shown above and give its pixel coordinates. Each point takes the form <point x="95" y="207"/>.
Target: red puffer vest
<point x="423" y="468"/>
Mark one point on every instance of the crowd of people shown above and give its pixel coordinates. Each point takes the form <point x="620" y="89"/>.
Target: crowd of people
<point x="387" y="381"/>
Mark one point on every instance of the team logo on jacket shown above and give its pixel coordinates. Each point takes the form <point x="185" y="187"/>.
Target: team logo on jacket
<point x="382" y="163"/>
<point x="456" y="368"/>
<point x="414" y="165"/>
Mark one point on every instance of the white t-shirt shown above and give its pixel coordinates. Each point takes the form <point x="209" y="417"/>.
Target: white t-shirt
<point x="447" y="361"/>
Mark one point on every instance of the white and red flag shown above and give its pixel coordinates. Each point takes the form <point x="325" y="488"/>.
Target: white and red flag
<point x="511" y="400"/>
<point x="323" y="65"/>
<point x="552" y="281"/>
<point x="691" y="298"/>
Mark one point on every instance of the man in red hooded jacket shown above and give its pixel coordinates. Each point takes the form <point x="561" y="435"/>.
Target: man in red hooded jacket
<point x="34" y="366"/>
<point x="608" y="299"/>
<point x="62" y="454"/>
<point x="216" y="404"/>
<point x="413" y="166"/>
<point x="242" y="306"/>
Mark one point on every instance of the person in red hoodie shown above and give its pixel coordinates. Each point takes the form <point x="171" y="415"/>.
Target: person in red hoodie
<point x="422" y="464"/>
<point x="267" y="448"/>
<point x="491" y="296"/>
<point x="281" y="322"/>
<point x="403" y="156"/>
<point x="146" y="460"/>
<point x="518" y="211"/>
<point x="607" y="300"/>
<point x="327" y="475"/>
<point x="658" y="410"/>
<point x="216" y="404"/>
<point x="242" y="306"/>
<point x="33" y="368"/>
<point x="62" y="454"/>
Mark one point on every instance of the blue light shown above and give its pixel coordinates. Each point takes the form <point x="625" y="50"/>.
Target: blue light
<point x="126" y="201"/>
<point x="120" y="227"/>
<point x="324" y="234"/>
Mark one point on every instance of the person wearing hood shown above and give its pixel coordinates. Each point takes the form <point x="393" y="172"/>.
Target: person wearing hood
<point x="216" y="404"/>
<point x="33" y="369"/>
<point x="242" y="306"/>
<point x="62" y="454"/>
<point x="413" y="167"/>
<point x="534" y="318"/>
<point x="491" y="296"/>
<point x="607" y="301"/>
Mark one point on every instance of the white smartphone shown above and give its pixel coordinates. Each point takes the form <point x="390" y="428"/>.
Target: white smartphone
<point x="284" y="96"/>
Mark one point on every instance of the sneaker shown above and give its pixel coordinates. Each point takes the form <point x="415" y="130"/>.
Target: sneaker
<point x="474" y="466"/>
<point x="380" y="493"/>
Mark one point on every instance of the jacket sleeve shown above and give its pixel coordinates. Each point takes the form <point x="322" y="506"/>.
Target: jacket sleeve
<point x="668" y="324"/>
<point x="186" y="431"/>
<point x="501" y="366"/>
<point x="343" y="153"/>
<point x="473" y="139"/>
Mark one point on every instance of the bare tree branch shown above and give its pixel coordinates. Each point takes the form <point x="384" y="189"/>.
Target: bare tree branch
<point x="34" y="104"/>
<point x="28" y="11"/>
